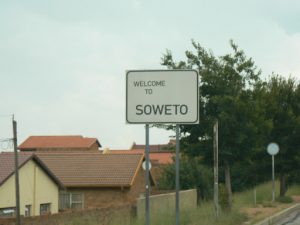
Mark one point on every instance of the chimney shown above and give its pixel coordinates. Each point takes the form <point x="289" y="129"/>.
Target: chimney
<point x="106" y="151"/>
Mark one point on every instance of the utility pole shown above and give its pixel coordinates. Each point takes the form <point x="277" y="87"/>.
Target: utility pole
<point x="18" y="219"/>
<point x="216" y="168"/>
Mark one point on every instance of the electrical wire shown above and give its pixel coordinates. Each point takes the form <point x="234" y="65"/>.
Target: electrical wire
<point x="5" y="139"/>
<point x="6" y="143"/>
<point x="6" y="115"/>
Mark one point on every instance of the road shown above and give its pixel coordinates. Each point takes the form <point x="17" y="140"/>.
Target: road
<point x="291" y="219"/>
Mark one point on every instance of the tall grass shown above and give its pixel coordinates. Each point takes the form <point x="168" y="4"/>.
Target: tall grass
<point x="293" y="190"/>
<point x="263" y="195"/>
<point x="203" y="215"/>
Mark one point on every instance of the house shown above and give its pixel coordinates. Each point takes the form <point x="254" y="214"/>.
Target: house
<point x="60" y="143"/>
<point x="160" y="156"/>
<point x="95" y="180"/>
<point x="156" y="158"/>
<point x="39" y="187"/>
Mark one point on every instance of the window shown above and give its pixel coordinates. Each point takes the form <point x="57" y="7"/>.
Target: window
<point x="64" y="201"/>
<point x="45" y="208"/>
<point x="27" y="210"/>
<point x="7" y="212"/>
<point x="70" y="200"/>
<point x="76" y="201"/>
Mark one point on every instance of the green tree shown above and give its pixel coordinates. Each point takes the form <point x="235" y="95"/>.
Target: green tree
<point x="282" y="102"/>
<point x="226" y="89"/>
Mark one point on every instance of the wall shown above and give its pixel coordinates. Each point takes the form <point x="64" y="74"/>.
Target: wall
<point x="35" y="188"/>
<point x="103" y="216"/>
<point x="166" y="202"/>
<point x="103" y="197"/>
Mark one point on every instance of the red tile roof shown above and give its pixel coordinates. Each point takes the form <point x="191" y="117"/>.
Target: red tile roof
<point x="159" y="157"/>
<point x="7" y="165"/>
<point x="93" y="169"/>
<point x="34" y="142"/>
<point x="162" y="158"/>
<point x="156" y="148"/>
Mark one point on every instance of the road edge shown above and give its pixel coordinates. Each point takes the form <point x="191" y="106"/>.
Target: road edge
<point x="279" y="215"/>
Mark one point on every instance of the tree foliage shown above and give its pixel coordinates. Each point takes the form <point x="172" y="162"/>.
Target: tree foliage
<point x="226" y="94"/>
<point x="282" y="108"/>
<point x="250" y="112"/>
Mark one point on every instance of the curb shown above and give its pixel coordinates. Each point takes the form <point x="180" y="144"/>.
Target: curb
<point x="276" y="217"/>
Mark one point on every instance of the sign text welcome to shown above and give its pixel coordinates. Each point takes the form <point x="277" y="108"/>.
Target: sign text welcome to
<point x="162" y="96"/>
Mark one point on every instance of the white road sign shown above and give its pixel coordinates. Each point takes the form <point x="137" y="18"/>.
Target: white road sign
<point x="162" y="96"/>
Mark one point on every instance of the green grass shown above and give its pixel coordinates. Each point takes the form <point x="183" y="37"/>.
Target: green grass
<point x="203" y="215"/>
<point x="263" y="195"/>
<point x="293" y="190"/>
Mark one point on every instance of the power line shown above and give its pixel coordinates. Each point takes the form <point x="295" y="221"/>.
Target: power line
<point x="5" y="139"/>
<point x="6" y="115"/>
<point x="6" y="143"/>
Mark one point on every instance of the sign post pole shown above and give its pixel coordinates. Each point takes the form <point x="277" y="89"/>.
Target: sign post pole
<point x="177" y="174"/>
<point x="273" y="179"/>
<point x="273" y="149"/>
<point x="147" y="176"/>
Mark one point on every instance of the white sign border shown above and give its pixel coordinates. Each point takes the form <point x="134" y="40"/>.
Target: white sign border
<point x="197" y="84"/>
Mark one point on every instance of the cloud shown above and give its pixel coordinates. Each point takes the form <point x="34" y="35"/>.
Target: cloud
<point x="62" y="63"/>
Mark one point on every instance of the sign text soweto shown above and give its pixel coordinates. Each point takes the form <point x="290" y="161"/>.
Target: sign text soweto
<point x="166" y="96"/>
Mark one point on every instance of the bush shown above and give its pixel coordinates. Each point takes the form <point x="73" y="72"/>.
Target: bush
<point x="192" y="175"/>
<point x="285" y="199"/>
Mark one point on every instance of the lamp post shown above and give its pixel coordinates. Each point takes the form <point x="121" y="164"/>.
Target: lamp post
<point x="273" y="149"/>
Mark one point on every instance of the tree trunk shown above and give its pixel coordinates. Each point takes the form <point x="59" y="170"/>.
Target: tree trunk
<point x="228" y="185"/>
<point x="283" y="187"/>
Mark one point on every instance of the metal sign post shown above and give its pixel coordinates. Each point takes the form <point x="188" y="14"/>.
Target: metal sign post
<point x="273" y="179"/>
<point x="273" y="149"/>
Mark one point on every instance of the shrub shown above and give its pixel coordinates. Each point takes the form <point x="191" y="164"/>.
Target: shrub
<point x="285" y="199"/>
<point x="192" y="175"/>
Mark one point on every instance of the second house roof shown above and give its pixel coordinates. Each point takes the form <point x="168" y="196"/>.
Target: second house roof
<point x="76" y="141"/>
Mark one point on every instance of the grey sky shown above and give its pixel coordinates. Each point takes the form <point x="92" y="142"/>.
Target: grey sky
<point x="62" y="63"/>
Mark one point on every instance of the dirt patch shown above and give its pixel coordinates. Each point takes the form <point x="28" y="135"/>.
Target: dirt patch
<point x="296" y="198"/>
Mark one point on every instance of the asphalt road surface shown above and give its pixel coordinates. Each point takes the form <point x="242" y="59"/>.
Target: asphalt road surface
<point x="291" y="219"/>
